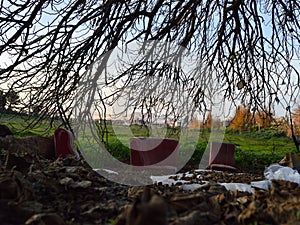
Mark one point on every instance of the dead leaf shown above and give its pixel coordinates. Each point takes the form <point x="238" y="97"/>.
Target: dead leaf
<point x="82" y="184"/>
<point x="197" y="217"/>
<point x="45" y="219"/>
<point x="66" y="181"/>
<point x="184" y="202"/>
<point x="149" y="210"/>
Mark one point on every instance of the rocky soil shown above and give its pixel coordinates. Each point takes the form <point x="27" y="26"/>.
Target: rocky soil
<point x="66" y="191"/>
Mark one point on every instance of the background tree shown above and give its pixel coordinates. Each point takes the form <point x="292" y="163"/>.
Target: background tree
<point x="2" y="101"/>
<point x="294" y="126"/>
<point x="12" y="99"/>
<point x="212" y="122"/>
<point x="9" y="100"/>
<point x="296" y="123"/>
<point x="195" y="123"/>
<point x="208" y="121"/>
<point x="242" y="119"/>
<point x="248" y="46"/>
<point x="263" y="118"/>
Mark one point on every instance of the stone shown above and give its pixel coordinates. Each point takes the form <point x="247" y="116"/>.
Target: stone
<point x="45" y="219"/>
<point x="4" y="131"/>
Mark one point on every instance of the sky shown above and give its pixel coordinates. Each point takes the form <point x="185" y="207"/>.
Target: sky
<point x="223" y="113"/>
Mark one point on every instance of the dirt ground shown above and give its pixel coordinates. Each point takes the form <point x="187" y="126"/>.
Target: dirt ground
<point x="66" y="191"/>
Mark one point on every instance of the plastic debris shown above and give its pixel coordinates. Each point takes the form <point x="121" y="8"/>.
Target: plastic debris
<point x="238" y="186"/>
<point x="277" y="172"/>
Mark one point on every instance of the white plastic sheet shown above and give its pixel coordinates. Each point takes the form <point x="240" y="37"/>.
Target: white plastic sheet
<point x="277" y="172"/>
<point x="273" y="172"/>
<point x="262" y="184"/>
<point x="191" y="187"/>
<point x="238" y="186"/>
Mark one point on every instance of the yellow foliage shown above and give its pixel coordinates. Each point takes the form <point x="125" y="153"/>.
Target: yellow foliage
<point x="242" y="119"/>
<point x="296" y="121"/>
<point x="263" y="118"/>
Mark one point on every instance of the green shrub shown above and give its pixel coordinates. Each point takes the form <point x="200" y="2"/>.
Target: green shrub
<point x="250" y="162"/>
<point x="118" y="150"/>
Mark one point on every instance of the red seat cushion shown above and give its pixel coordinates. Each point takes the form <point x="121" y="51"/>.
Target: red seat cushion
<point x="63" y="140"/>
<point x="222" y="156"/>
<point x="222" y="167"/>
<point x="150" y="151"/>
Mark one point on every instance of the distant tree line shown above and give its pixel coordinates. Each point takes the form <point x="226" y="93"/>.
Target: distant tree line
<point x="9" y="100"/>
<point x="246" y="119"/>
<point x="11" y="103"/>
<point x="262" y="119"/>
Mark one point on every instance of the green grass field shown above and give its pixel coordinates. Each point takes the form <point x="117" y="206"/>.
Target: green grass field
<point x="254" y="150"/>
<point x="23" y="126"/>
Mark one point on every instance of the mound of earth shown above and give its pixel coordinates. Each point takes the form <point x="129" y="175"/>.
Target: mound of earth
<point x="67" y="191"/>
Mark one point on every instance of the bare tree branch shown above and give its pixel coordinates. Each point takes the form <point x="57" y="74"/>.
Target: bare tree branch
<point x="46" y="46"/>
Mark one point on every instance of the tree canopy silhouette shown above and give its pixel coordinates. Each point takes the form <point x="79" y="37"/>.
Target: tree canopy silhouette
<point x="250" y="46"/>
